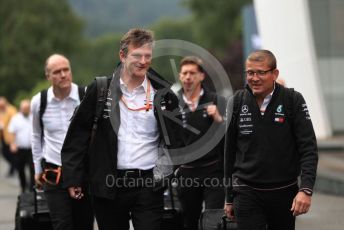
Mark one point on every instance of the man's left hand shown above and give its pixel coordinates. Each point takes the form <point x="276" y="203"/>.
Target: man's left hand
<point x="214" y="113"/>
<point x="301" y="204"/>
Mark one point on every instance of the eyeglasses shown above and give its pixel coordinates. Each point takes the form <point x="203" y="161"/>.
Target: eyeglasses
<point x="260" y="73"/>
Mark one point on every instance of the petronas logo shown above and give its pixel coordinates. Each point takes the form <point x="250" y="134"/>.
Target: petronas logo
<point x="279" y="108"/>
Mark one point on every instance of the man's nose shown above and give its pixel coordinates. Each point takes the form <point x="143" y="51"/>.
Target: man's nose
<point x="255" y="77"/>
<point x="144" y="59"/>
<point x="63" y="73"/>
<point x="188" y="76"/>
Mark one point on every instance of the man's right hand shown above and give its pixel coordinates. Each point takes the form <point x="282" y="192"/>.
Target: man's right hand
<point x="13" y="148"/>
<point x="75" y="192"/>
<point x="39" y="180"/>
<point x="229" y="211"/>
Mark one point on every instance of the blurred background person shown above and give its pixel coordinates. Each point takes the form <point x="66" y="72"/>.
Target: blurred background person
<point x="7" y="111"/>
<point x="200" y="109"/>
<point x="19" y="130"/>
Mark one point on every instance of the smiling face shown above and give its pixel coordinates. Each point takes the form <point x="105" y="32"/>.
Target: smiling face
<point x="261" y="75"/>
<point x="137" y="60"/>
<point x="58" y="72"/>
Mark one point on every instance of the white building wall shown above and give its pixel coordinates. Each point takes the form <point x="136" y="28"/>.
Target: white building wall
<point x="285" y="29"/>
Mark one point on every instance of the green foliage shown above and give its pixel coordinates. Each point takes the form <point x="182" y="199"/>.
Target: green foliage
<point x="104" y="16"/>
<point x="217" y="23"/>
<point x="21" y="95"/>
<point x="97" y="58"/>
<point x="168" y="28"/>
<point x="29" y="32"/>
<point x="32" y="30"/>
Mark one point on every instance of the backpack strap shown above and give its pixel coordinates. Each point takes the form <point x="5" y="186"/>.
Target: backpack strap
<point x="238" y="99"/>
<point x="228" y="169"/>
<point x="102" y="86"/>
<point x="289" y="94"/>
<point x="81" y="91"/>
<point x="42" y="107"/>
<point x="289" y="103"/>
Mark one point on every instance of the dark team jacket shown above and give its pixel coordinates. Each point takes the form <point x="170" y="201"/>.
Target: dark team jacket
<point x="272" y="150"/>
<point x="97" y="162"/>
<point x="207" y="130"/>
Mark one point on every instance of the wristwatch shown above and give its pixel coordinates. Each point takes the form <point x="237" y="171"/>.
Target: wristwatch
<point x="308" y="192"/>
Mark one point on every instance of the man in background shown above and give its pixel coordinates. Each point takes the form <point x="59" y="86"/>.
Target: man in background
<point x="49" y="131"/>
<point x="7" y="111"/>
<point x="19" y="131"/>
<point x="200" y="109"/>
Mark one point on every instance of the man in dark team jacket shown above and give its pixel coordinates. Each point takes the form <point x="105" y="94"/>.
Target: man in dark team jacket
<point x="200" y="109"/>
<point x="270" y="144"/>
<point x="127" y="156"/>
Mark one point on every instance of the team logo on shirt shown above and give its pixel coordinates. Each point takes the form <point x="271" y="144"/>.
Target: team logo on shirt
<point x="279" y="114"/>
<point x="244" y="109"/>
<point x="279" y="119"/>
<point x="279" y="109"/>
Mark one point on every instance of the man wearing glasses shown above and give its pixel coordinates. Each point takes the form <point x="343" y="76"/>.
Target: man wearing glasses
<point x="271" y="142"/>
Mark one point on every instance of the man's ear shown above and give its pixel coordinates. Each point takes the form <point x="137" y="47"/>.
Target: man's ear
<point x="122" y="56"/>
<point x="180" y="77"/>
<point x="275" y="73"/>
<point x="202" y="75"/>
<point x="47" y="76"/>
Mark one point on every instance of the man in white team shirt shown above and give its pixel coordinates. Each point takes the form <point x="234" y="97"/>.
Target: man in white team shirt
<point x="61" y="99"/>
<point x="19" y="130"/>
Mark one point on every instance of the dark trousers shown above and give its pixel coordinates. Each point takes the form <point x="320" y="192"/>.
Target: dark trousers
<point x="206" y="186"/>
<point x="255" y="210"/>
<point x="21" y="159"/>
<point x="67" y="213"/>
<point x="8" y="156"/>
<point x="141" y="204"/>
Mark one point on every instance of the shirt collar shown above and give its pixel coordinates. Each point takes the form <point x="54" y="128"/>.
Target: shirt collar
<point x="272" y="92"/>
<point x="74" y="94"/>
<point x="266" y="101"/>
<point x="193" y="102"/>
<point x="125" y="87"/>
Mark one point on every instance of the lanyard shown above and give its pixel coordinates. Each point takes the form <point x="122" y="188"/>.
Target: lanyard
<point x="147" y="106"/>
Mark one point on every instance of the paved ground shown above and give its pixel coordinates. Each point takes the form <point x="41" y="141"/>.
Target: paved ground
<point x="326" y="212"/>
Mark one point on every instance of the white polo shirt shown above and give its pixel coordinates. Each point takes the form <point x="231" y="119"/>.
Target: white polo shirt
<point x="20" y="126"/>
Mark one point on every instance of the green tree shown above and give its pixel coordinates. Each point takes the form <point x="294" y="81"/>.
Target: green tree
<point x="168" y="28"/>
<point x="103" y="16"/>
<point x="217" y="23"/>
<point x="218" y="27"/>
<point x="29" y="32"/>
<point x="98" y="57"/>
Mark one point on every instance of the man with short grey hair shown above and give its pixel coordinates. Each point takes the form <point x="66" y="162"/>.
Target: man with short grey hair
<point x="51" y="111"/>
